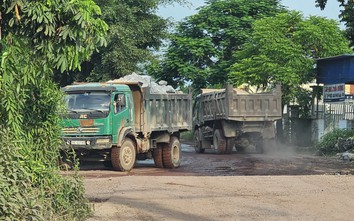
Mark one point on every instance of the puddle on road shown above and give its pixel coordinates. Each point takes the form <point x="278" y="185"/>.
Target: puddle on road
<point x="187" y="148"/>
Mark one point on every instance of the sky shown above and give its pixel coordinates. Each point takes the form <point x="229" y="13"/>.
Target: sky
<point x="307" y="7"/>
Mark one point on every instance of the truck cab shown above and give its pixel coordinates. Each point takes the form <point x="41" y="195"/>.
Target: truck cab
<point x="95" y="115"/>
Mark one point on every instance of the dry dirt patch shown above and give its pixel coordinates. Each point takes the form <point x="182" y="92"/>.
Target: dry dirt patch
<point x="208" y="187"/>
<point x="209" y="198"/>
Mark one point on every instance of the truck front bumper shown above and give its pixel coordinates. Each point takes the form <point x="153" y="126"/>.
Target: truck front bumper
<point x="89" y="143"/>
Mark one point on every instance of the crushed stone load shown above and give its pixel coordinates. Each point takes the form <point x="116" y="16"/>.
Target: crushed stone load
<point x="156" y="88"/>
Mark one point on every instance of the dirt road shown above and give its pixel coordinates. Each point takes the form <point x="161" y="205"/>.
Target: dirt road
<point x="208" y="187"/>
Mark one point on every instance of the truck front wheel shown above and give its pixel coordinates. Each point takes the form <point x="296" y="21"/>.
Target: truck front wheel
<point x="123" y="158"/>
<point x="219" y="141"/>
<point x="171" y="154"/>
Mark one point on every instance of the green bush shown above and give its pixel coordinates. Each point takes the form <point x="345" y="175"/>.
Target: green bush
<point x="33" y="189"/>
<point x="327" y="144"/>
<point x="35" y="51"/>
<point x="187" y="136"/>
<point x="17" y="197"/>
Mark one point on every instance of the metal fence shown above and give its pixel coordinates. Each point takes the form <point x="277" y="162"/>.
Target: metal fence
<point x="343" y="111"/>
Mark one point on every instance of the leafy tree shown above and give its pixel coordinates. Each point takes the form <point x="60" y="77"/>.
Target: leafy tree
<point x="283" y="50"/>
<point x="38" y="37"/>
<point x="202" y="46"/>
<point x="346" y="15"/>
<point x="135" y="31"/>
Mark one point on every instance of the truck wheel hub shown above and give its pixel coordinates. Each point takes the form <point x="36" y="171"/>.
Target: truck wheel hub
<point x="127" y="155"/>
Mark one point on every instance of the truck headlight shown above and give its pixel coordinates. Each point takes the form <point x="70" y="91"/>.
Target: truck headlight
<point x="102" y="141"/>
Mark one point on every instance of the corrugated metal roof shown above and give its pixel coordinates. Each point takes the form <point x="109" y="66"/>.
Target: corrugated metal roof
<point x="339" y="57"/>
<point x="336" y="69"/>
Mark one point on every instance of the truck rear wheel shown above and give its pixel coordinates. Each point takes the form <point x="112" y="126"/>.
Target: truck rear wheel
<point x="171" y="154"/>
<point x="123" y="158"/>
<point x="230" y="143"/>
<point x="157" y="155"/>
<point x="219" y="141"/>
<point x="259" y="146"/>
<point x="197" y="142"/>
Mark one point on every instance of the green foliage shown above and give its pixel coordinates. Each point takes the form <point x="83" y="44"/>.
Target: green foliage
<point x="327" y="144"/>
<point x="30" y="190"/>
<point x="37" y="38"/>
<point x="187" y="136"/>
<point x="202" y="46"/>
<point x="283" y="50"/>
<point x="64" y="32"/>
<point x="135" y="31"/>
<point x="17" y="199"/>
<point x="346" y="16"/>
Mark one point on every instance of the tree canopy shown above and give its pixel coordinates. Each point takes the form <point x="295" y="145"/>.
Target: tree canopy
<point x="346" y="15"/>
<point x="201" y="49"/>
<point x="37" y="38"/>
<point x="283" y="50"/>
<point x="135" y="32"/>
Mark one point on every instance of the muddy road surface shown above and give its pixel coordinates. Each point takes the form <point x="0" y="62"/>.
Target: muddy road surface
<point x="282" y="185"/>
<point x="284" y="161"/>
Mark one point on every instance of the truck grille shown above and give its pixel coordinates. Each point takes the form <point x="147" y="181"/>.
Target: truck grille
<point x="80" y="130"/>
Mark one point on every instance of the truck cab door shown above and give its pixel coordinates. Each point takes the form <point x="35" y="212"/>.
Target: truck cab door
<point x="121" y="108"/>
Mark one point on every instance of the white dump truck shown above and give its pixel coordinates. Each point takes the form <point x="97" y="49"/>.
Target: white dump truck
<point x="230" y="117"/>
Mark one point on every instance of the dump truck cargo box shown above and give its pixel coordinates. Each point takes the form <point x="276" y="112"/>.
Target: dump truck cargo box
<point x="230" y="104"/>
<point x="169" y="112"/>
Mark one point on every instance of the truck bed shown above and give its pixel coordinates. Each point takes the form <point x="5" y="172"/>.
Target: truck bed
<point x="170" y="112"/>
<point x="231" y="104"/>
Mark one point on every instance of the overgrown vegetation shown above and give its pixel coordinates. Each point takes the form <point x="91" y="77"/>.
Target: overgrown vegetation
<point x="30" y="189"/>
<point x="37" y="39"/>
<point x="328" y="144"/>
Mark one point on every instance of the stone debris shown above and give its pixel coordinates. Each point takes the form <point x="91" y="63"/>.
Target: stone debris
<point x="156" y="88"/>
<point x="346" y="156"/>
<point x="345" y="143"/>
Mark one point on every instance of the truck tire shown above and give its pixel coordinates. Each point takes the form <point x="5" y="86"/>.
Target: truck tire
<point x="157" y="155"/>
<point x="259" y="146"/>
<point x="197" y="142"/>
<point x="123" y="158"/>
<point x="171" y="154"/>
<point x="219" y="141"/>
<point x="230" y="143"/>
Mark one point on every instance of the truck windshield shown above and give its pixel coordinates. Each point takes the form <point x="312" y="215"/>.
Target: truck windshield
<point x="88" y="101"/>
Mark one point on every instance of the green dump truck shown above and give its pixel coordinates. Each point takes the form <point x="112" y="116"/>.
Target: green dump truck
<point x="119" y="123"/>
<point x="228" y="118"/>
